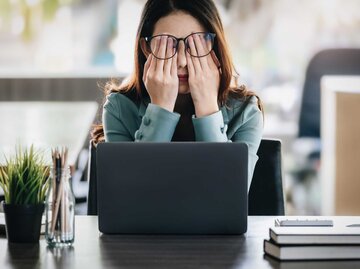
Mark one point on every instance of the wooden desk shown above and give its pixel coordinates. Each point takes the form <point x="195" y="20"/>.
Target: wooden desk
<point x="93" y="250"/>
<point x="46" y="125"/>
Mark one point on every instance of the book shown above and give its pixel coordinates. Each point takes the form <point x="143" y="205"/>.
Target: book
<point x="311" y="252"/>
<point x="307" y="264"/>
<point x="315" y="235"/>
<point x="304" y="222"/>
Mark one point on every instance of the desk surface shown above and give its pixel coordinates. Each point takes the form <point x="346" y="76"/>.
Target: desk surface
<point x="46" y="125"/>
<point x="94" y="250"/>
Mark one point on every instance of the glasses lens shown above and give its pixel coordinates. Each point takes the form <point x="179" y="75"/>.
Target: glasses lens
<point x="163" y="46"/>
<point x="203" y="44"/>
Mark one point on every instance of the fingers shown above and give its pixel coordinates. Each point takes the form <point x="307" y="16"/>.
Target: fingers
<point x="194" y="60"/>
<point x="147" y="66"/>
<point x="161" y="53"/>
<point x="169" y="53"/>
<point x="163" y="48"/>
<point x="201" y="51"/>
<point x="190" y="65"/>
<point x="156" y="43"/>
<point x="213" y="61"/>
<point x="173" y="71"/>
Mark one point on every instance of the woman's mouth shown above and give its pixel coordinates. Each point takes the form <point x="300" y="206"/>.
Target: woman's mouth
<point x="183" y="77"/>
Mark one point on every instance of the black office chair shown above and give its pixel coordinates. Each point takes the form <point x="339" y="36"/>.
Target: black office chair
<point x="266" y="190"/>
<point x="92" y="177"/>
<point x="265" y="194"/>
<point x="326" y="62"/>
<point x="307" y="148"/>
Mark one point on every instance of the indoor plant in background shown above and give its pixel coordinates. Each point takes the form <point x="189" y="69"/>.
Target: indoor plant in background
<point x="24" y="179"/>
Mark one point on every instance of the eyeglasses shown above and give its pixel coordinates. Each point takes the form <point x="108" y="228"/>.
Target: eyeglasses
<point x="172" y="45"/>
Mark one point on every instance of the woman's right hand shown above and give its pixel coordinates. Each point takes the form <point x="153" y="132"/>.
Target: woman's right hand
<point x="160" y="76"/>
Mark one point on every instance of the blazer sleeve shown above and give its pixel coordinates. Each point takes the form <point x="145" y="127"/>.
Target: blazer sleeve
<point x="157" y="124"/>
<point x="210" y="128"/>
<point x="114" y="127"/>
<point x="250" y="130"/>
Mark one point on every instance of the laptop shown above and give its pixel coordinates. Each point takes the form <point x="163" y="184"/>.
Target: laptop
<point x="172" y="188"/>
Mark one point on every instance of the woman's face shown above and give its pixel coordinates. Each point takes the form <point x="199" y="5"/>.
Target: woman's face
<point x="180" y="25"/>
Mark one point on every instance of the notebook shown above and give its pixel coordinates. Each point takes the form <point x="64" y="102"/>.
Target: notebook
<point x="338" y="242"/>
<point x="311" y="252"/>
<point x="315" y="235"/>
<point x="172" y="188"/>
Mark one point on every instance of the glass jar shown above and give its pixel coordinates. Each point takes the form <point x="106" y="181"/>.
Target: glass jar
<point x="60" y="209"/>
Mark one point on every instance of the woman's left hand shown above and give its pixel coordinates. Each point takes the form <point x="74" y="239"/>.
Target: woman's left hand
<point x="204" y="78"/>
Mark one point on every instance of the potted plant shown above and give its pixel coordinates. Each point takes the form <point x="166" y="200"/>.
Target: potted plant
<point x="24" y="179"/>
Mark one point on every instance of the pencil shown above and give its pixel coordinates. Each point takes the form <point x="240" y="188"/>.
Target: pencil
<point x="57" y="205"/>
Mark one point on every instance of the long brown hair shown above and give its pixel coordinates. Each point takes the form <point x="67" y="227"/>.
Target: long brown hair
<point x="206" y="13"/>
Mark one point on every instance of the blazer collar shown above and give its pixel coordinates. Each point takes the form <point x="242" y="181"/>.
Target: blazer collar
<point x="225" y="114"/>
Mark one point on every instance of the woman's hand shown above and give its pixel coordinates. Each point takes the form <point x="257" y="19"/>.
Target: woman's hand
<point x="204" y="78"/>
<point x="160" y="76"/>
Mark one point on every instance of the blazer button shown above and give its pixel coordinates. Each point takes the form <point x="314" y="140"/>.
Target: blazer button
<point x="146" y="121"/>
<point x="139" y="135"/>
<point x="224" y="129"/>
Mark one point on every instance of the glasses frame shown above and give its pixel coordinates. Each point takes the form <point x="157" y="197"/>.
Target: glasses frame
<point x="184" y="39"/>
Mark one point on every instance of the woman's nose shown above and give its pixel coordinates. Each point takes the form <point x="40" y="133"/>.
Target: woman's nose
<point x="181" y="60"/>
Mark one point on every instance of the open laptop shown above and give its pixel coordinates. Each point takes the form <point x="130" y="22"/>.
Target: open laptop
<point x="172" y="188"/>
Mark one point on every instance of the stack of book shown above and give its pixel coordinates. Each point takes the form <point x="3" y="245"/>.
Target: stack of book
<point x="340" y="242"/>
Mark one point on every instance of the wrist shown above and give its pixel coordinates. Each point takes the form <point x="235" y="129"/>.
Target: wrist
<point x="205" y="109"/>
<point x="165" y="105"/>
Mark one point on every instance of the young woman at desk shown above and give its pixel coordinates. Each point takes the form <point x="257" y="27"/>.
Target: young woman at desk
<point x="181" y="88"/>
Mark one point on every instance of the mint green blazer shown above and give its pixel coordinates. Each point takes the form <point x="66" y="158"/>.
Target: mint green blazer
<point x="125" y="120"/>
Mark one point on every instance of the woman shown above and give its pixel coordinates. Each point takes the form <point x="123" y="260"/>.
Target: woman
<point x="180" y="89"/>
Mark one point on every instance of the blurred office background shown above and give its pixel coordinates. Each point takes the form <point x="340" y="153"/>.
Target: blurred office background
<point x="63" y="50"/>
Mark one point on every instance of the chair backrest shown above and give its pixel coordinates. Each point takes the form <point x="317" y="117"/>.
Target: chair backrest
<point x="266" y="189"/>
<point x="266" y="192"/>
<point x="92" y="195"/>
<point x="326" y="62"/>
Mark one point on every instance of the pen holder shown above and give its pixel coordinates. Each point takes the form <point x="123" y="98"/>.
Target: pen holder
<point x="59" y="209"/>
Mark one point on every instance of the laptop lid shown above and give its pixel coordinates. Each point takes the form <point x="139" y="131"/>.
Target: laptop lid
<point x="172" y="188"/>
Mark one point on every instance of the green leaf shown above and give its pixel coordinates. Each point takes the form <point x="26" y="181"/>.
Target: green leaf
<point x="24" y="178"/>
